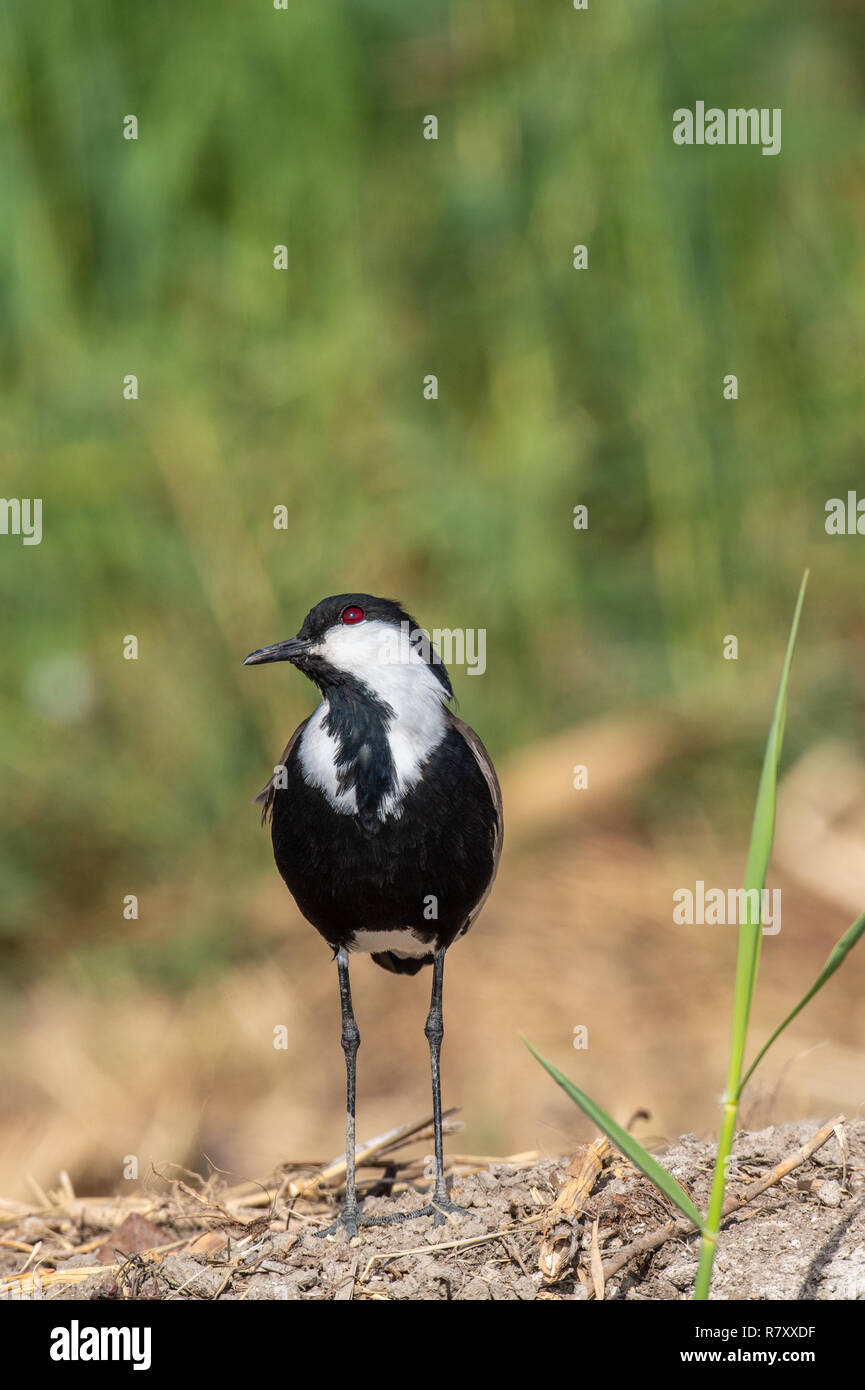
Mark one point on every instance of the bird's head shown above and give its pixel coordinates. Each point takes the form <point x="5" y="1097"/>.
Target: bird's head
<point x="369" y="644"/>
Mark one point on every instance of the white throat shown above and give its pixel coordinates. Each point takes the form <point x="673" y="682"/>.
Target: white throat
<point x="382" y="657"/>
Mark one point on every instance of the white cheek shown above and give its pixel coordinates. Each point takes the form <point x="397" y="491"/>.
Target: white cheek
<point x="369" y="650"/>
<point x="382" y="656"/>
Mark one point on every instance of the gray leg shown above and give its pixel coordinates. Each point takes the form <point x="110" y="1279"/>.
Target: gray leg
<point x="434" y="1029"/>
<point x="435" y="1032"/>
<point x="350" y="1043"/>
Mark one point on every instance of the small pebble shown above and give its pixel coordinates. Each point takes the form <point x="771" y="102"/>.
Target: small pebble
<point x="830" y="1193"/>
<point x="475" y="1291"/>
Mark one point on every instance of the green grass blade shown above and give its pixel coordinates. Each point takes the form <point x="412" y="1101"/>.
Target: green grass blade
<point x="629" y="1146"/>
<point x="833" y="961"/>
<point x="759" y="851"/>
<point x="748" y="955"/>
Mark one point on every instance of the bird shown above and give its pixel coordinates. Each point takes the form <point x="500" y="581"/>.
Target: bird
<point x="386" y="819"/>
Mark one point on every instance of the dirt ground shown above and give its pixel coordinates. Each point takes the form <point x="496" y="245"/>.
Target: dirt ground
<point x="803" y="1238"/>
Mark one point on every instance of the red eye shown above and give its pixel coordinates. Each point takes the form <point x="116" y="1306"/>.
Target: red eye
<point x="352" y="615"/>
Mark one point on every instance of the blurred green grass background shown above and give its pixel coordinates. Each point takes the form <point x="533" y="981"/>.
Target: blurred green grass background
<point x="304" y="388"/>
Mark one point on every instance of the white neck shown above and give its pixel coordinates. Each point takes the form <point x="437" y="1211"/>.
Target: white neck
<point x="382" y="657"/>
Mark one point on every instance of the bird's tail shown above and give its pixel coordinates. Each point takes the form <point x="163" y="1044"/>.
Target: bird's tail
<point x="401" y="965"/>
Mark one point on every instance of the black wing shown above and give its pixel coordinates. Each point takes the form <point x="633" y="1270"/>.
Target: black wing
<point x="484" y="762"/>
<point x="267" y="794"/>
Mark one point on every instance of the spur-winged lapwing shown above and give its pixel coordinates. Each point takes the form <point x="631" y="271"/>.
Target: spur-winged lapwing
<point x="386" y="817"/>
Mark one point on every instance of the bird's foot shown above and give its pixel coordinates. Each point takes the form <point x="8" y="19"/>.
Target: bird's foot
<point x="444" y="1206"/>
<point x="440" y="1208"/>
<point x="346" y="1221"/>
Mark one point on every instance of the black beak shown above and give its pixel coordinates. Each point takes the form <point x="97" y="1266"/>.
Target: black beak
<point x="291" y="650"/>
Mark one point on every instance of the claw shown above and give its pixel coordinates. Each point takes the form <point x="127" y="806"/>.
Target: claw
<point x="346" y="1221"/>
<point x="445" y="1207"/>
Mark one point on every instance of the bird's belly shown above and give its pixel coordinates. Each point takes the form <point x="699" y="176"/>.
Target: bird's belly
<point x="402" y="942"/>
<point x="416" y="876"/>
